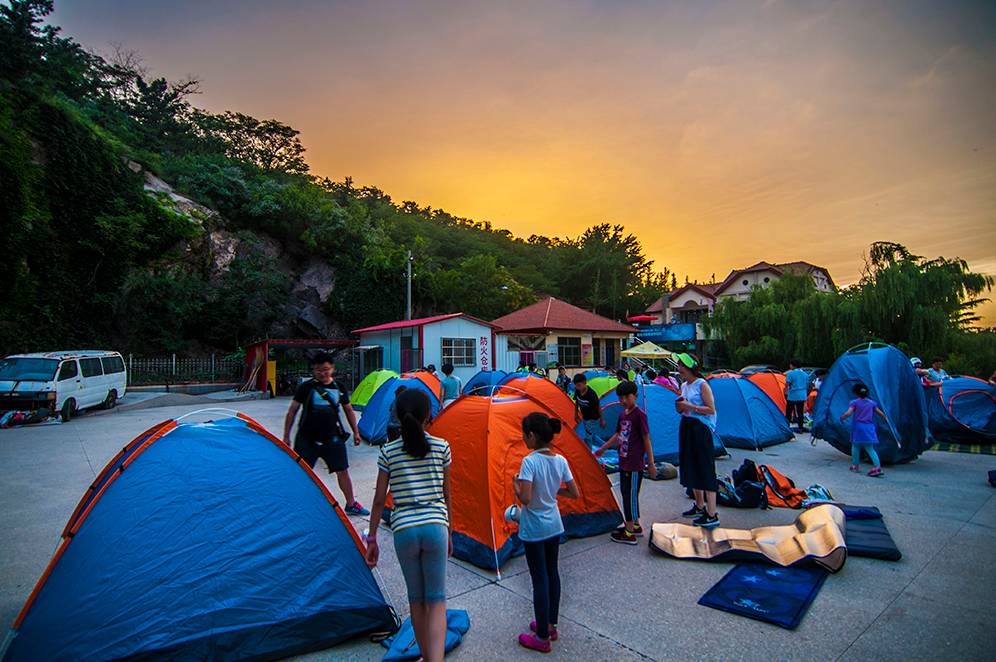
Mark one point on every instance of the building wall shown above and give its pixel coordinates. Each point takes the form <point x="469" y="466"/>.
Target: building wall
<point x="693" y="296"/>
<point x="458" y="327"/>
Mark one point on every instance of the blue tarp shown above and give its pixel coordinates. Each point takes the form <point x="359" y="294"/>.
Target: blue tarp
<point x="658" y="403"/>
<point x="962" y="410"/>
<point x="891" y="383"/>
<point x="214" y="543"/>
<point x="745" y="416"/>
<point x="402" y="646"/>
<point x="373" y="423"/>
<point x="483" y="380"/>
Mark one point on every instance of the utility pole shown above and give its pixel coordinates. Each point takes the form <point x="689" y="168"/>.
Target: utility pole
<point x="408" y="308"/>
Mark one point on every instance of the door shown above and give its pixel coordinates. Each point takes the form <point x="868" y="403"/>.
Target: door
<point x="68" y="383"/>
<point x="91" y="391"/>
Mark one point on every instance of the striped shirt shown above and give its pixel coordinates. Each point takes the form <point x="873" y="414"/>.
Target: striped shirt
<point x="416" y="484"/>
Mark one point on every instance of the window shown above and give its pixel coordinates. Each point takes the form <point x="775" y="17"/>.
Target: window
<point x="596" y="351"/>
<point x="68" y="371"/>
<point x="745" y="281"/>
<point x="459" y="351"/>
<point x="91" y="367"/>
<point x="112" y="365"/>
<point x="767" y="280"/>
<point x="568" y="351"/>
<point x="373" y="359"/>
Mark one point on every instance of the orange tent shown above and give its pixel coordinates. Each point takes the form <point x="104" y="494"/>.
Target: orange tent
<point x="772" y="383"/>
<point x="485" y="437"/>
<point x="543" y="390"/>
<point x="427" y="378"/>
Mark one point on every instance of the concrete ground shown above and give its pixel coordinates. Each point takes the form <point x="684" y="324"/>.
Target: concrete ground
<point x="619" y="602"/>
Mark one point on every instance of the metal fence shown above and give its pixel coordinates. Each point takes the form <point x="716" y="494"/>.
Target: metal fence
<point x="173" y="369"/>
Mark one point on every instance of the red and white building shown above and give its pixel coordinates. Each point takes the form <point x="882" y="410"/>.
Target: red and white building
<point x="691" y="302"/>
<point x="552" y="331"/>
<point x="466" y="342"/>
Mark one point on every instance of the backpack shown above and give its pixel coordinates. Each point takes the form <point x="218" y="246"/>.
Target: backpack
<point x="781" y="491"/>
<point x="748" y="494"/>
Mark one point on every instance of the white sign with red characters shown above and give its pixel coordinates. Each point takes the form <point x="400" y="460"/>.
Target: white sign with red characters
<point x="484" y="351"/>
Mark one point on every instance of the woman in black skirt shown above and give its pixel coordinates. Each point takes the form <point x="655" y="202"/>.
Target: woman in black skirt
<point x="696" y="462"/>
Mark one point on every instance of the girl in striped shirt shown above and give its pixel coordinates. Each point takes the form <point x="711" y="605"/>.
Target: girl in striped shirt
<point x="416" y="469"/>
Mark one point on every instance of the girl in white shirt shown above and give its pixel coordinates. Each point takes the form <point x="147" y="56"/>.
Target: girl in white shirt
<point x="537" y="486"/>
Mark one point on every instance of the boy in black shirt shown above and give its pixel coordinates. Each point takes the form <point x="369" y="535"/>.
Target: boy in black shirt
<point x="587" y="405"/>
<point x="320" y="433"/>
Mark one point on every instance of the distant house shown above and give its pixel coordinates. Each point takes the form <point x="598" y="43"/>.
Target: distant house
<point x="689" y="303"/>
<point x="553" y="331"/>
<point x="457" y="338"/>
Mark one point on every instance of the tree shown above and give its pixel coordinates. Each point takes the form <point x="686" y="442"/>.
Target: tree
<point x="921" y="305"/>
<point x="267" y="144"/>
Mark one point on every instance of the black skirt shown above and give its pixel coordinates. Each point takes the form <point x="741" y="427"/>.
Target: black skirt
<point x="696" y="460"/>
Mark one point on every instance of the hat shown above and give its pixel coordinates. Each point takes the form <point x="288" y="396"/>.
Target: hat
<point x="915" y="361"/>
<point x="687" y="360"/>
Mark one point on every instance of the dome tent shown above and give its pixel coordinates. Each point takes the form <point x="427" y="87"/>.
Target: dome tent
<point x="962" y="410"/>
<point x="485" y="437"/>
<point x="368" y="386"/>
<point x="373" y="423"/>
<point x="891" y="383"/>
<point x="745" y="416"/>
<point x="483" y="381"/>
<point x="545" y="391"/>
<point x="658" y="403"/>
<point x="773" y="384"/>
<point x="171" y="553"/>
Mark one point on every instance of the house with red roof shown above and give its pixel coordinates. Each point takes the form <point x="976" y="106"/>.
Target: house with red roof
<point x="693" y="301"/>
<point x="465" y="341"/>
<point x="552" y="331"/>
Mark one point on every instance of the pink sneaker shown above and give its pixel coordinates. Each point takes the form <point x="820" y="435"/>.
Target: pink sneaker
<point x="876" y="472"/>
<point x="855" y="468"/>
<point x="532" y="642"/>
<point x="553" y="630"/>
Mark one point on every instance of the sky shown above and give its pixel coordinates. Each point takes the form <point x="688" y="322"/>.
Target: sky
<point x="719" y="133"/>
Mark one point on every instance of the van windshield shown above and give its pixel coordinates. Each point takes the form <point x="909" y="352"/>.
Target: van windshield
<point x="28" y="369"/>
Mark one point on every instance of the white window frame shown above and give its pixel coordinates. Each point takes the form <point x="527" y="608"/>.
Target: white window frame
<point x="561" y="346"/>
<point x="461" y="352"/>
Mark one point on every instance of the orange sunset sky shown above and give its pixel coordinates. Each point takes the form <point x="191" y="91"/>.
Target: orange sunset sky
<point x="720" y="133"/>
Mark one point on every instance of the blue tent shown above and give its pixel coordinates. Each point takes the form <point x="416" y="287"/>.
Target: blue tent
<point x="658" y="402"/>
<point x="891" y="383"/>
<point x="484" y="381"/>
<point x="591" y="374"/>
<point x="373" y="423"/>
<point x="202" y="541"/>
<point x="745" y="416"/>
<point x="962" y="410"/>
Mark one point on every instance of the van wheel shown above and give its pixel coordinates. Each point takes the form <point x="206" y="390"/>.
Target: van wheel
<point x="68" y="409"/>
<point x="111" y="401"/>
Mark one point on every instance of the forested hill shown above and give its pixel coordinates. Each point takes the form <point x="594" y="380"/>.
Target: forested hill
<point x="133" y="219"/>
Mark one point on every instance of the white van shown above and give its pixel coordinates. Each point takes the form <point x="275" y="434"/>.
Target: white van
<point x="66" y="382"/>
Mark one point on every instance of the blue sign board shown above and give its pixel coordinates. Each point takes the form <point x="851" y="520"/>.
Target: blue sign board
<point x="667" y="332"/>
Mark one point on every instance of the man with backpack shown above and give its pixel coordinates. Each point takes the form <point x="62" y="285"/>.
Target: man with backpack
<point x="320" y="433"/>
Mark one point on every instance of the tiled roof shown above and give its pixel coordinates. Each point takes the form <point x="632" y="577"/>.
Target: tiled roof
<point x="422" y="321"/>
<point x="551" y="313"/>
<point x="798" y="267"/>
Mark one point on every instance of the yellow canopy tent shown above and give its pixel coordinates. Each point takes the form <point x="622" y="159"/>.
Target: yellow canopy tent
<point x="647" y="350"/>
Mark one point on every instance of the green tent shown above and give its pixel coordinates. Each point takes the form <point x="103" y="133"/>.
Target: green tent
<point x="366" y="388"/>
<point x="602" y="385"/>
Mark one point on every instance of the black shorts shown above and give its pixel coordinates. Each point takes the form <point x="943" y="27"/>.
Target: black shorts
<point x="333" y="452"/>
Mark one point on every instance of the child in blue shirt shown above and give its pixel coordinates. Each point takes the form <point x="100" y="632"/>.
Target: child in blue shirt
<point x="863" y="433"/>
<point x="537" y="486"/>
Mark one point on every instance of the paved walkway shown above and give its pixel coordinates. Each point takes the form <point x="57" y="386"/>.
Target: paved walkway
<point x="620" y="602"/>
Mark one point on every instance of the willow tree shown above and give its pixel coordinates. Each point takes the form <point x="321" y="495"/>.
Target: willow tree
<point x="919" y="303"/>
